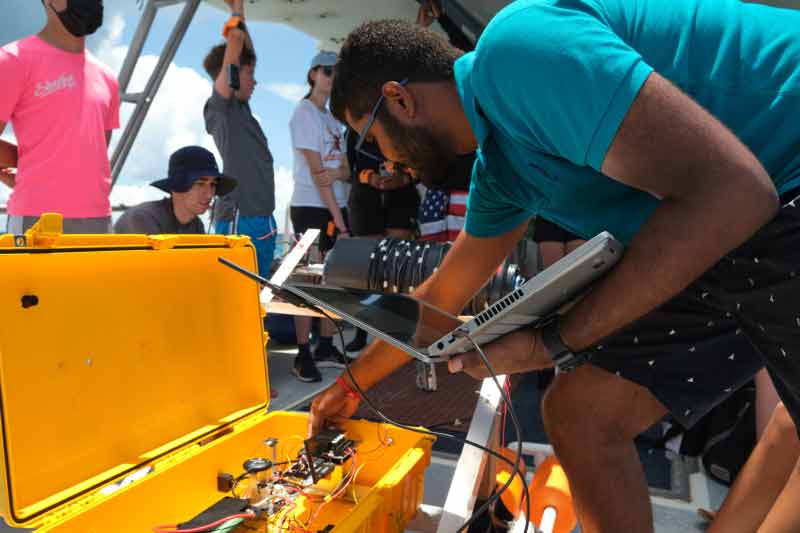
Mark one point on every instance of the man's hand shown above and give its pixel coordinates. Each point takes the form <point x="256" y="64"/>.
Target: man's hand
<point x="324" y="177"/>
<point x="333" y="405"/>
<point x="520" y="351"/>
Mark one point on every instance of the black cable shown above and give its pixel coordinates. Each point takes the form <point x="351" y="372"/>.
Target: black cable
<point x="518" y="429"/>
<point x="506" y="400"/>
<point x="515" y="465"/>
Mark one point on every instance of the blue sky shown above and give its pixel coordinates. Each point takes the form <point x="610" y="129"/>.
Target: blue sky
<point x="175" y="118"/>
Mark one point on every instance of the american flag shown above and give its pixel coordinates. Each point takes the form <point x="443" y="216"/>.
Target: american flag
<point x="441" y="215"/>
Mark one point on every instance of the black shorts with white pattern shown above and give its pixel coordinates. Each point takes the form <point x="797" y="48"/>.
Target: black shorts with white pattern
<point x="742" y="314"/>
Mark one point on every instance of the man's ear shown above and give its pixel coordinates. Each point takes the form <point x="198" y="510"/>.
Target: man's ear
<point x="399" y="99"/>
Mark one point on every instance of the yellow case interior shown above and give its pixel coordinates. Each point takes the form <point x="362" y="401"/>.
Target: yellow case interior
<point x="116" y="352"/>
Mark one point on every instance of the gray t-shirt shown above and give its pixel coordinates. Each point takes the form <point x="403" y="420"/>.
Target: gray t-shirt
<point x="245" y="157"/>
<point x="156" y="218"/>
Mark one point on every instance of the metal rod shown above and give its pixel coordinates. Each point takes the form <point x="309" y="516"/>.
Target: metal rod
<point x="135" y="49"/>
<point x="156" y="77"/>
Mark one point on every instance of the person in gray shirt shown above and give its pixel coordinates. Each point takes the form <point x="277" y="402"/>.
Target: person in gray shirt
<point x="193" y="180"/>
<point x="241" y="141"/>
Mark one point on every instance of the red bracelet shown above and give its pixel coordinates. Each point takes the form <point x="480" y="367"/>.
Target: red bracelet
<point x="348" y="390"/>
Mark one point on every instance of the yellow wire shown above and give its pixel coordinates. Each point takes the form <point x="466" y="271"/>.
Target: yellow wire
<point x="353" y="483"/>
<point x="289" y="439"/>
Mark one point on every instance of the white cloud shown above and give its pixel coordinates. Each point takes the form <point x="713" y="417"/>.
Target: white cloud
<point x="8" y="135"/>
<point x="129" y="195"/>
<point x="284" y="185"/>
<point x="293" y="92"/>
<point x="175" y="118"/>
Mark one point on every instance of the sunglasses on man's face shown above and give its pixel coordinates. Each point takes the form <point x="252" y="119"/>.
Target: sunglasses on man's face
<point x="363" y="135"/>
<point x="328" y="71"/>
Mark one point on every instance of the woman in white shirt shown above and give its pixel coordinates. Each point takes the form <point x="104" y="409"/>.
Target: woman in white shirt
<point x="319" y="197"/>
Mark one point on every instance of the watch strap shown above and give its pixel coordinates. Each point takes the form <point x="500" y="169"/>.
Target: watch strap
<point x="564" y="359"/>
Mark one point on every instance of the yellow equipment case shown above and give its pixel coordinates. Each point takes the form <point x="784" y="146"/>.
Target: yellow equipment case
<point x="134" y="387"/>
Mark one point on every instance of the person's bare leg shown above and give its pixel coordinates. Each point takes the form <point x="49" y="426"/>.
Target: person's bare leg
<point x="763" y="477"/>
<point x="766" y="400"/>
<point x="327" y="328"/>
<point x="302" y="328"/>
<point x="758" y="486"/>
<point x="591" y="417"/>
<point x="784" y="517"/>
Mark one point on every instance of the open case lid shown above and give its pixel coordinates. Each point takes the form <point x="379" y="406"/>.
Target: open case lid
<point x="116" y="350"/>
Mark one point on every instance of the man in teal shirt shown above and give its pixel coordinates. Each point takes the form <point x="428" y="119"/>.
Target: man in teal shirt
<point x="668" y="124"/>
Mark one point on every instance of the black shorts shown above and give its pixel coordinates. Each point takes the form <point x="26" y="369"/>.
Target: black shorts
<point x="305" y="218"/>
<point x="710" y="339"/>
<point x="372" y="212"/>
<point x="546" y="231"/>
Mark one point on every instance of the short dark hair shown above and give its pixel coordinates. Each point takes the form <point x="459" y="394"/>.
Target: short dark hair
<point x="384" y="50"/>
<point x="216" y="56"/>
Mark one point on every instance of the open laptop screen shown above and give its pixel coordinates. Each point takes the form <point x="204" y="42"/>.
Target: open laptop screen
<point x="402" y="317"/>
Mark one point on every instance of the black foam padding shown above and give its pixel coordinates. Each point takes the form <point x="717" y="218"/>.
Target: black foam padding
<point x="225" y="507"/>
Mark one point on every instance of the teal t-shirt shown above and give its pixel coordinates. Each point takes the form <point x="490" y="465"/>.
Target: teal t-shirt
<point x="550" y="82"/>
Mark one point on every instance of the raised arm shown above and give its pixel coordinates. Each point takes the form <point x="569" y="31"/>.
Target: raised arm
<point x="236" y="40"/>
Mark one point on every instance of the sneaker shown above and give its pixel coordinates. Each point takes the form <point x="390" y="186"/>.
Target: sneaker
<point x="329" y="357"/>
<point x="358" y="343"/>
<point x="305" y="370"/>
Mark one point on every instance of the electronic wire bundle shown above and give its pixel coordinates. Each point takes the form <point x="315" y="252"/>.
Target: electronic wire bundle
<point x="325" y="468"/>
<point x="515" y="464"/>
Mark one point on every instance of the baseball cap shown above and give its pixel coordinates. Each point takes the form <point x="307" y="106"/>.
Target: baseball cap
<point x="324" y="59"/>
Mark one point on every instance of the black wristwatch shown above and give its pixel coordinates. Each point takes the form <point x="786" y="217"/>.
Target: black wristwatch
<point x="564" y="359"/>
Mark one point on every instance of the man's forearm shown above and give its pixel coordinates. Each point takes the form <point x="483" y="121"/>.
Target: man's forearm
<point x="465" y="269"/>
<point x="8" y="155"/>
<point x="680" y="241"/>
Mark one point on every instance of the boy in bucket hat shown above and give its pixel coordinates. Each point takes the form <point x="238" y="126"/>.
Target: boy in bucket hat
<point x="193" y="180"/>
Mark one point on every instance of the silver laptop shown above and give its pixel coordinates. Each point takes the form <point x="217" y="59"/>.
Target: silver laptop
<point x="432" y="335"/>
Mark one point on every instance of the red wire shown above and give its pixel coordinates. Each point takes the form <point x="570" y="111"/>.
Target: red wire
<point x="173" y="528"/>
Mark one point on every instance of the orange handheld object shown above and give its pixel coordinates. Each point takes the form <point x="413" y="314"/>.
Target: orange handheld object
<point x="364" y="176"/>
<point x="232" y="23"/>
<point x="512" y="497"/>
<point x="551" y="500"/>
<point x="331" y="229"/>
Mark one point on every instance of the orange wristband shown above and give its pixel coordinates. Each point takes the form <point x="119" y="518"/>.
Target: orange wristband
<point x="232" y="23"/>
<point x="348" y="390"/>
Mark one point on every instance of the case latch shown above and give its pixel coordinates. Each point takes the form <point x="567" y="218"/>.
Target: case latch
<point x="162" y="242"/>
<point x="44" y="233"/>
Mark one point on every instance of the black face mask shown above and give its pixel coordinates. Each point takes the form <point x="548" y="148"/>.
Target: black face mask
<point x="81" y="17"/>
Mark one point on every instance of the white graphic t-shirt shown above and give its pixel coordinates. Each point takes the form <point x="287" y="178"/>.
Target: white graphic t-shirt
<point x="317" y="130"/>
